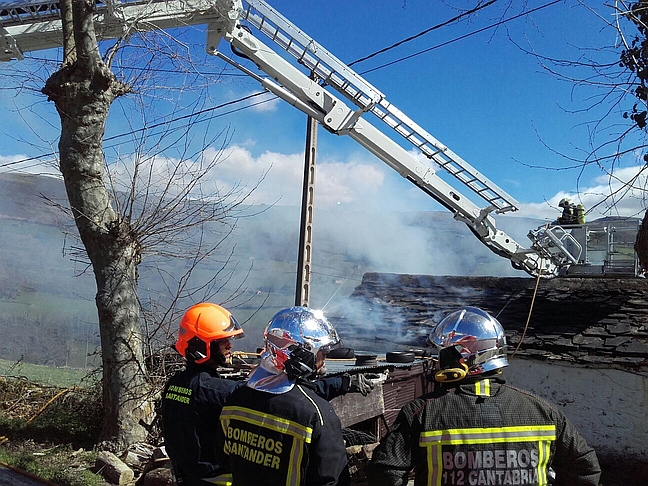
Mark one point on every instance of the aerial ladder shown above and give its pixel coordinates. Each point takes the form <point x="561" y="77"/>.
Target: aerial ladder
<point x="329" y="92"/>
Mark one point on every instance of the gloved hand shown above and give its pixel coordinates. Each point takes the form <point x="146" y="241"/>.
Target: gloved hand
<point x="361" y="383"/>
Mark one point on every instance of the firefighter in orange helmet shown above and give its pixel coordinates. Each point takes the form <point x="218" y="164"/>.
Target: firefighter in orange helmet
<point x="205" y="334"/>
<point x="194" y="397"/>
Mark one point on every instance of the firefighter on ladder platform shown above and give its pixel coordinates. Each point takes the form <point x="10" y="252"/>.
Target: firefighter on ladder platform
<point x="571" y="213"/>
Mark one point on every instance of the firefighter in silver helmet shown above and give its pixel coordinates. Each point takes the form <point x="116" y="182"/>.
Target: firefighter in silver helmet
<point x="194" y="396"/>
<point x="474" y="428"/>
<point x="277" y="429"/>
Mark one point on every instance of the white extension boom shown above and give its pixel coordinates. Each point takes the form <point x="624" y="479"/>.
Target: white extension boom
<point x="30" y="26"/>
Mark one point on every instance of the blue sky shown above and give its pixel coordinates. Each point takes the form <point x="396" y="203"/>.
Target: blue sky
<point x="483" y="95"/>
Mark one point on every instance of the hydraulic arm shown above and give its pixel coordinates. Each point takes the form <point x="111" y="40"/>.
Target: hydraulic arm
<point x="36" y="25"/>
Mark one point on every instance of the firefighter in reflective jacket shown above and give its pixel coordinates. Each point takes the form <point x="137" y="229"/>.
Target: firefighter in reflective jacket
<point x="476" y="430"/>
<point x="194" y="396"/>
<point x="276" y="430"/>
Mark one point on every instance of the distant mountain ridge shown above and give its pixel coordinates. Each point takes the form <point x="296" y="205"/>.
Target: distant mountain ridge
<point x="40" y="199"/>
<point x="23" y="197"/>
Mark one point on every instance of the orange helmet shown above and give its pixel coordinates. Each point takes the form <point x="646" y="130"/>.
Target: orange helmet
<point x="202" y="325"/>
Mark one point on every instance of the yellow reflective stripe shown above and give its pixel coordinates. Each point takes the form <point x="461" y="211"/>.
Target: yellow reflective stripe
<point x="267" y="421"/>
<point x="433" y="458"/>
<point x="293" y="478"/>
<point x="302" y="434"/>
<point x="434" y="441"/>
<point x="486" y="385"/>
<point x="544" y="452"/>
<point x="531" y="433"/>
<point x="221" y="480"/>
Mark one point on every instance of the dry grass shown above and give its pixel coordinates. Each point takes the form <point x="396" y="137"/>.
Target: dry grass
<point x="50" y="431"/>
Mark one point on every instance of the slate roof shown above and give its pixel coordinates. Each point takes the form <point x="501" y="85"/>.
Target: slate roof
<point x="593" y="321"/>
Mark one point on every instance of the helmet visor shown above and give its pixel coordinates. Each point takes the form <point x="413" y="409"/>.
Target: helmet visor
<point x="234" y="329"/>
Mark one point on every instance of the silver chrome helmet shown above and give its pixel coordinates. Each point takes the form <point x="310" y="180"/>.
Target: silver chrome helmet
<point x="470" y="339"/>
<point x="293" y="338"/>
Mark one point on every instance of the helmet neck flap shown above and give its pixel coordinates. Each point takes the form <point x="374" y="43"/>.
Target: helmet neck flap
<point x="268" y="378"/>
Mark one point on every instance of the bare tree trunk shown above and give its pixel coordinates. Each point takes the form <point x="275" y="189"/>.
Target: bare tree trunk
<point x="83" y="90"/>
<point x="641" y="243"/>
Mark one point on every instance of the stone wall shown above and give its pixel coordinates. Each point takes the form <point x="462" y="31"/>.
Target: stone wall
<point x="589" y="321"/>
<point x="608" y="406"/>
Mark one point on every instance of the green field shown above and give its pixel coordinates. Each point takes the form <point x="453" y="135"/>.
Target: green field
<point x="46" y="375"/>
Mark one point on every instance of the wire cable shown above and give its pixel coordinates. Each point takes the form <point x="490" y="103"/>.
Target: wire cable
<point x="451" y="41"/>
<point x="408" y="39"/>
<point x="526" y="325"/>
<point x="156" y="125"/>
<point x="420" y="34"/>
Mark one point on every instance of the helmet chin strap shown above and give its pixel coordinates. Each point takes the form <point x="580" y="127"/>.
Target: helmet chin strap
<point x="451" y="375"/>
<point x="196" y="349"/>
<point x="451" y="368"/>
<point x="300" y="363"/>
<point x="215" y="354"/>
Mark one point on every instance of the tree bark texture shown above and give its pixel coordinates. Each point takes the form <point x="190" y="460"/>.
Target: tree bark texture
<point x="83" y="90"/>
<point x="641" y="243"/>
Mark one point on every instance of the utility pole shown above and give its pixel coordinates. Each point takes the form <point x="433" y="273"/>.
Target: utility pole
<point x="302" y="294"/>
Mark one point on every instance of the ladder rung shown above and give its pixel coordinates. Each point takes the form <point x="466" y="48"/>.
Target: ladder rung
<point x="357" y="90"/>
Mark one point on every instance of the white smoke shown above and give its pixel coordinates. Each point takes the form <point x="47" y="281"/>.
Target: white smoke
<point x="365" y="210"/>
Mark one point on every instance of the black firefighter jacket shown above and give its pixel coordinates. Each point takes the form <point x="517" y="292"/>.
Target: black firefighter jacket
<point x="483" y="433"/>
<point x="191" y="404"/>
<point x="293" y="438"/>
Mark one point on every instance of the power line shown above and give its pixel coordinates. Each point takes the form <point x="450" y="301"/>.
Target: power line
<point x="160" y="70"/>
<point x="497" y="24"/>
<point x="420" y="34"/>
<point x="380" y="51"/>
<point x="197" y="121"/>
<point x="156" y="125"/>
<point x="184" y="117"/>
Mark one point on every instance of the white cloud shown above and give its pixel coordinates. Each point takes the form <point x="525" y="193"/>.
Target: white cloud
<point x="278" y="177"/>
<point x="360" y="182"/>
<point x="265" y="103"/>
<point x="621" y="194"/>
<point x="271" y="177"/>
